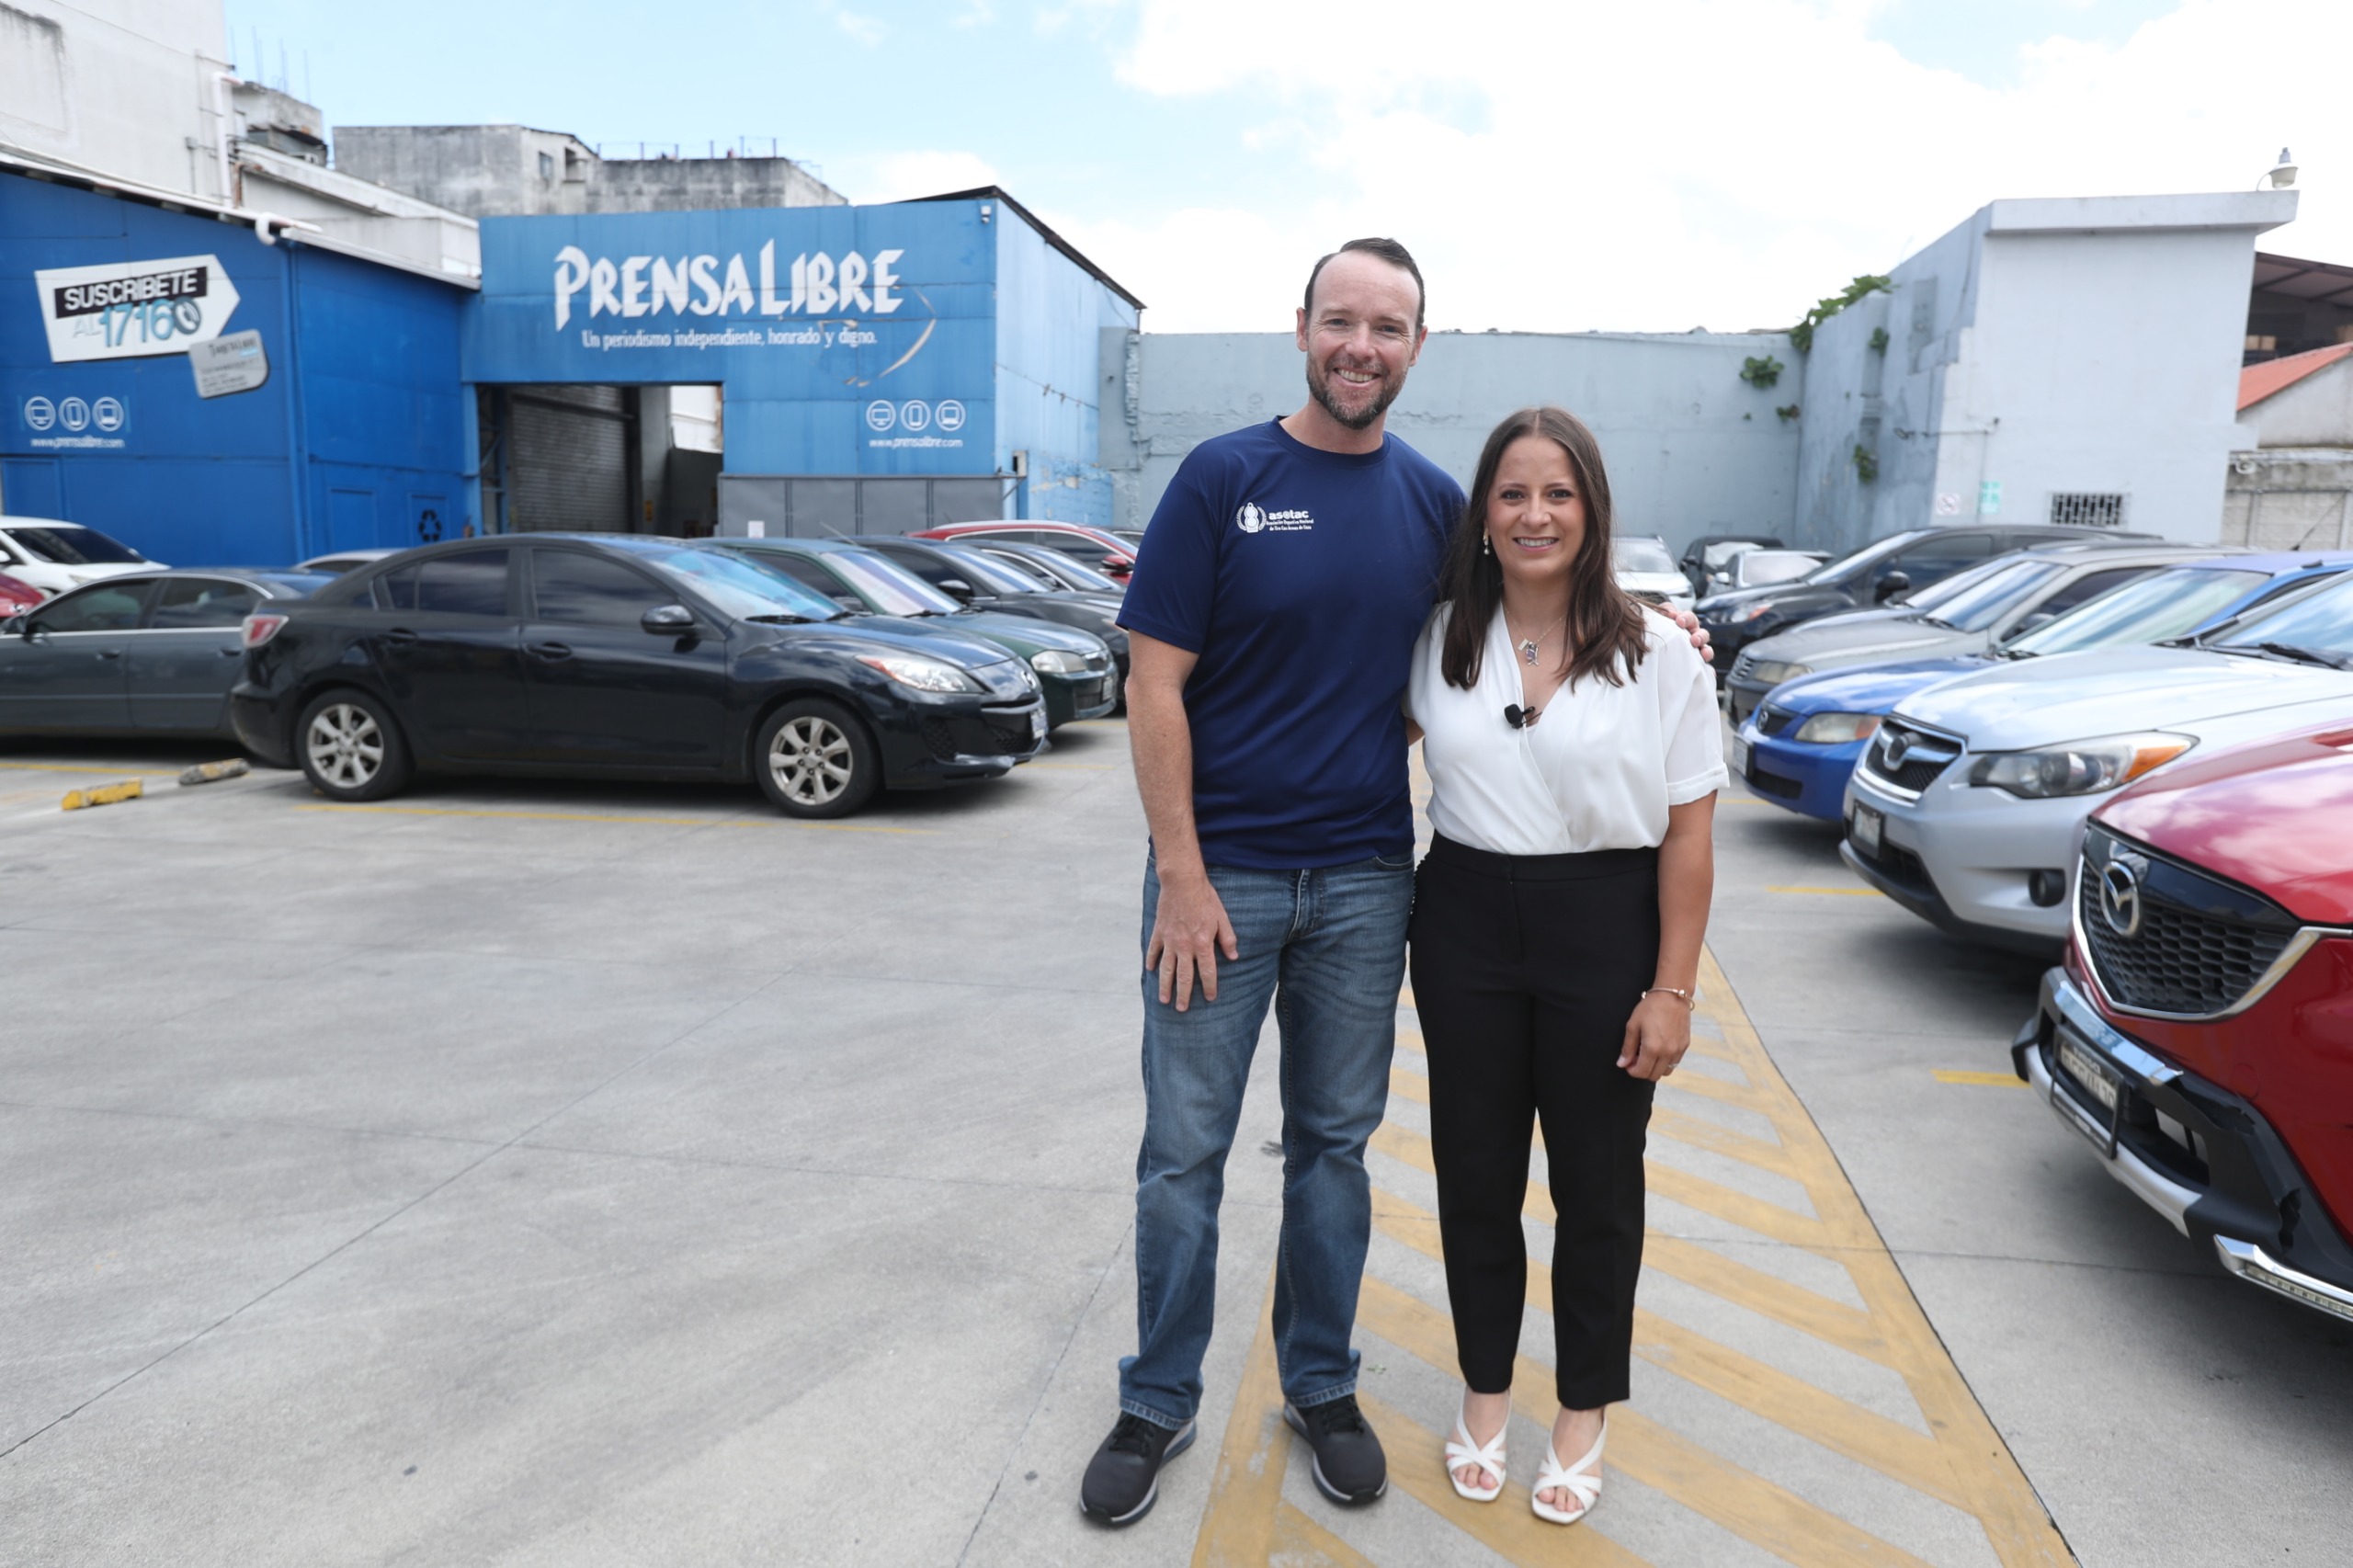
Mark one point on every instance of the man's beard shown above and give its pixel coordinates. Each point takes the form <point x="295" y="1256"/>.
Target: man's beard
<point x="1319" y="386"/>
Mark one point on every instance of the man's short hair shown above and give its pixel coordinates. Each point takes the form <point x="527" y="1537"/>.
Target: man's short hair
<point x="1387" y="250"/>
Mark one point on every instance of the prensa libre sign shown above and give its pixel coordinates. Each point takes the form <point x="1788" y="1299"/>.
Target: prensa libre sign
<point x="127" y="309"/>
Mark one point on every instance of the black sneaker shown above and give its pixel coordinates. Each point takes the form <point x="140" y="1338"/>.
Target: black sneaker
<point x="1123" y="1478"/>
<point x="1349" y="1466"/>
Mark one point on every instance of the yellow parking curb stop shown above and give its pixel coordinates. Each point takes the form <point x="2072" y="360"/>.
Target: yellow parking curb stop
<point x="209" y="772"/>
<point x="102" y="795"/>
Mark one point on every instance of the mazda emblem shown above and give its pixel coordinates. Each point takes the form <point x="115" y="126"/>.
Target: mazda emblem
<point x="2119" y="898"/>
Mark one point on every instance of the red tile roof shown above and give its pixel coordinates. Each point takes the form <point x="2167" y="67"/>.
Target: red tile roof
<point x="2259" y="381"/>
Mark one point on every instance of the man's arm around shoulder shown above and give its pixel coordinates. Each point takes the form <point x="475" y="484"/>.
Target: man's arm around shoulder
<point x="1189" y="929"/>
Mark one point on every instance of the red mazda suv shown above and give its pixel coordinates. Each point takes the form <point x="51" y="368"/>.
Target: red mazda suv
<point x="2200" y="1033"/>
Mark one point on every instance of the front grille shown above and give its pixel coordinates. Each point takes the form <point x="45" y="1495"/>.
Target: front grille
<point x="1924" y="756"/>
<point x="995" y="735"/>
<point x="1743" y="666"/>
<point x="1773" y="784"/>
<point x="2199" y="943"/>
<point x="1772" y="721"/>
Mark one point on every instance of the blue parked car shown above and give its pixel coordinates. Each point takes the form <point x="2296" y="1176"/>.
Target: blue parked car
<point x="1799" y="744"/>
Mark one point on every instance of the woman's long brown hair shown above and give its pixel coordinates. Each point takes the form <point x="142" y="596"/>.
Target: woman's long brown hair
<point x="1605" y="623"/>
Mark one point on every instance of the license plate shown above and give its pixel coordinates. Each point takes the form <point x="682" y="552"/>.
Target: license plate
<point x="1865" y="830"/>
<point x="1037" y="724"/>
<point x="2089" y="1071"/>
<point x="1739" y="757"/>
<point x="2075" y="1059"/>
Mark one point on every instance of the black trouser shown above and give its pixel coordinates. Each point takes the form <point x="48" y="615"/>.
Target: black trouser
<point x="1525" y="969"/>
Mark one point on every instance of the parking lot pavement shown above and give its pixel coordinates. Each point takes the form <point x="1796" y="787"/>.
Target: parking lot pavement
<point x="529" y="1173"/>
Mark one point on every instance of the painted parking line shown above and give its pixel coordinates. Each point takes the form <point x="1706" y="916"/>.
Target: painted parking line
<point x="631" y="821"/>
<point x="1769" y="1301"/>
<point x="1984" y="1079"/>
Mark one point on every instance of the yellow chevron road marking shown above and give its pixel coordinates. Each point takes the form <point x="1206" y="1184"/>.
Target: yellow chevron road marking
<point x="1951" y="1460"/>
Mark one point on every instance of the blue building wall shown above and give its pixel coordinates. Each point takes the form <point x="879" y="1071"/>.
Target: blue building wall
<point x="361" y="436"/>
<point x="1051" y="314"/>
<point x="879" y="379"/>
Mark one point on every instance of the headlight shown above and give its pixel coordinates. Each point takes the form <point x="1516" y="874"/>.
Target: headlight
<point x="1058" y="662"/>
<point x="1750" y="612"/>
<point x="2078" y="767"/>
<point x="924" y="675"/>
<point x="1837" y="729"/>
<point x="1773" y="672"/>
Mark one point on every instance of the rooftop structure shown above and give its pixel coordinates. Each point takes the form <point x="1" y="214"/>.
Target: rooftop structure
<point x="516" y="171"/>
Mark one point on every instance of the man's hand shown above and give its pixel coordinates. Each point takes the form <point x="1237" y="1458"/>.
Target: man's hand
<point x="1691" y="623"/>
<point x="1188" y="930"/>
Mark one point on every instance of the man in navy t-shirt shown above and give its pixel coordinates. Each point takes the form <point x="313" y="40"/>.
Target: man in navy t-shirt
<point x="1272" y="610"/>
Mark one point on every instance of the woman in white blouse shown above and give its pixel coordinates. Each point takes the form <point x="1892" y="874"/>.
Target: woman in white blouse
<point x="1572" y="742"/>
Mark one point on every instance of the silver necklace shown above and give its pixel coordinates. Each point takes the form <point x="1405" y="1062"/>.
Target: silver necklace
<point x="1528" y="645"/>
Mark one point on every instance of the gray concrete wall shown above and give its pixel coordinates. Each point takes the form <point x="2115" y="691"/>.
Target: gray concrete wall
<point x="2314" y="412"/>
<point x="2061" y="346"/>
<point x="501" y="171"/>
<point x="2291" y="499"/>
<point x="124" y="88"/>
<point x="1692" y="448"/>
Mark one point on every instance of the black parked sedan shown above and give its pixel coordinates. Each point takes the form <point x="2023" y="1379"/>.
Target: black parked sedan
<point x="970" y="576"/>
<point x="617" y="655"/>
<point x="153" y="654"/>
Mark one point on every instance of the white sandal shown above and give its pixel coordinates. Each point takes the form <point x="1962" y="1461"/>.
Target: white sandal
<point x="1583" y="1480"/>
<point x="1462" y="1451"/>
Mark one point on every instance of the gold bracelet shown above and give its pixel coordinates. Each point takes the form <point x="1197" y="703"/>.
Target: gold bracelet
<point x="1690" y="1002"/>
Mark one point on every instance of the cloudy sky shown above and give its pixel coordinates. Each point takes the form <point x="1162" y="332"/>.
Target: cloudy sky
<point x="1557" y="165"/>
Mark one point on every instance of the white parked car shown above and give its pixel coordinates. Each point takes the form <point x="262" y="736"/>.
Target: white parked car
<point x="54" y="555"/>
<point x="1646" y="569"/>
<point x="1968" y="804"/>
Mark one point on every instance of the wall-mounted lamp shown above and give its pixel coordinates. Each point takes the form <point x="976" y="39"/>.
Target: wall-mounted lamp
<point x="2283" y="174"/>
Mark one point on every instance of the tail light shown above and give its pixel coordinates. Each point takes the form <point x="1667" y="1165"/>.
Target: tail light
<point x="260" y="629"/>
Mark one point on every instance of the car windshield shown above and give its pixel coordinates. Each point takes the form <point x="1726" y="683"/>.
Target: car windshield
<point x="989" y="573"/>
<point x="1986" y="601"/>
<point x="736" y="584"/>
<point x="1863" y="560"/>
<point x="70" y="544"/>
<point x="1930" y="595"/>
<point x="2310" y="628"/>
<point x="1758" y="568"/>
<point x="2165" y="604"/>
<point x="1073" y="573"/>
<point x="889" y="587"/>
<point x="1716" y="555"/>
<point x="1641" y="555"/>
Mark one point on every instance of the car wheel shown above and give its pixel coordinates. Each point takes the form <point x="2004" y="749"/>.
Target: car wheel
<point x="814" y="760"/>
<point x="350" y="749"/>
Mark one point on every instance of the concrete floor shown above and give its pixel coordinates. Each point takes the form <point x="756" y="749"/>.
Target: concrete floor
<point x="541" y="1173"/>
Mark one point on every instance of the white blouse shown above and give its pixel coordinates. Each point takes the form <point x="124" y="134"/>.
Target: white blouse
<point x="1598" y="770"/>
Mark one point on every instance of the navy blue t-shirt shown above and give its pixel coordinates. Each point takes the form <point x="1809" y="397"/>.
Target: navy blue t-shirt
<point x="1301" y="578"/>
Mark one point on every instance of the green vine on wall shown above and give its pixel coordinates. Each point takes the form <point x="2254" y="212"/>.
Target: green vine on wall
<point x="1866" y="463"/>
<point x="1760" y="372"/>
<point x="1788" y="411"/>
<point x="1879" y="340"/>
<point x="1801" y="334"/>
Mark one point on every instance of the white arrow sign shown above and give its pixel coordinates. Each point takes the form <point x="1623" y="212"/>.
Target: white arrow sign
<point x="126" y="308"/>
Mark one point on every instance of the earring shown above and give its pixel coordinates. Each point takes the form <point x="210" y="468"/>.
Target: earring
<point x="1487" y="544"/>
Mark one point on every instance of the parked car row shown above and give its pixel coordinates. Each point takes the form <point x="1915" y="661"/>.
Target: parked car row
<point x="2137" y="759"/>
<point x="823" y="670"/>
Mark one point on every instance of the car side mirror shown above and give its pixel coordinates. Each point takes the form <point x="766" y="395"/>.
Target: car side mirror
<point x="1115" y="567"/>
<point x="1894" y="583"/>
<point x="668" y="620"/>
<point x="956" y="588"/>
<point x="2040" y="618"/>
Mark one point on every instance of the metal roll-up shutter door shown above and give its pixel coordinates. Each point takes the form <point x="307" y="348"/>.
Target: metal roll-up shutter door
<point x="568" y="467"/>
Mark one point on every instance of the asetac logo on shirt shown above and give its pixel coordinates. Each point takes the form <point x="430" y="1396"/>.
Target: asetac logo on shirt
<point x="1254" y="518"/>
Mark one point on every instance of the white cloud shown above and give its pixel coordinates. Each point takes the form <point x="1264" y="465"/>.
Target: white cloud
<point x="868" y="30"/>
<point x="1685" y="161"/>
<point x="897" y="176"/>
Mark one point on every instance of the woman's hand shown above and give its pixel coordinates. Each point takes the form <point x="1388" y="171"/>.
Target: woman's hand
<point x="1656" y="1036"/>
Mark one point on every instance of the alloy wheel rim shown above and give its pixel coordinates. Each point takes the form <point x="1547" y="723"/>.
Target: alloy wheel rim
<point x="346" y="746"/>
<point x="810" y="760"/>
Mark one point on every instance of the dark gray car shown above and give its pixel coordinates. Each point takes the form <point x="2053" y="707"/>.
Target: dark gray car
<point x="146" y="653"/>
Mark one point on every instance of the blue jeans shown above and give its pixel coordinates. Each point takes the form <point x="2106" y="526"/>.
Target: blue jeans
<point x="1327" y="949"/>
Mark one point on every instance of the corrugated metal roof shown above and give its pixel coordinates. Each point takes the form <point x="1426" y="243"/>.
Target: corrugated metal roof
<point x="2259" y="381"/>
